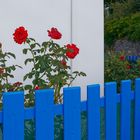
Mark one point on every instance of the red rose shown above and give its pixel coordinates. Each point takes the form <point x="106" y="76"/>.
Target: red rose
<point x="122" y="58"/>
<point x="37" y="87"/>
<point x="17" y="84"/>
<point x="54" y="33"/>
<point x="63" y="62"/>
<point x="72" y="51"/>
<point x="128" y="67"/>
<point x="20" y="35"/>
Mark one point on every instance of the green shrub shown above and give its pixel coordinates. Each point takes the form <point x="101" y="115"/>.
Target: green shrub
<point x="119" y="8"/>
<point x="117" y="68"/>
<point x="124" y="28"/>
<point x="137" y="5"/>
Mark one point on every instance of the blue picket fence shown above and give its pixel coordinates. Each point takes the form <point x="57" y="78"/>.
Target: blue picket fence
<point x="132" y="58"/>
<point x="14" y="114"/>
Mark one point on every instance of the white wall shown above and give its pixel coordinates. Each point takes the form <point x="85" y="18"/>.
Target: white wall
<point x="88" y="33"/>
<point x="37" y="16"/>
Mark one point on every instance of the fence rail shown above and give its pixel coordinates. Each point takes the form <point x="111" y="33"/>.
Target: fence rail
<point x="13" y="114"/>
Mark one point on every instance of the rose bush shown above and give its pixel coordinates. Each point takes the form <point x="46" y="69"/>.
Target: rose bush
<point x="6" y="73"/>
<point x="50" y="63"/>
<point x="117" y="68"/>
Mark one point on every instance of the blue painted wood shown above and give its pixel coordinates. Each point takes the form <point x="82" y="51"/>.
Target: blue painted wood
<point x="137" y="110"/>
<point x="132" y="58"/>
<point x="93" y="110"/>
<point x="29" y="113"/>
<point x="72" y="114"/>
<point x="58" y="109"/>
<point x="110" y="111"/>
<point x="45" y="110"/>
<point x="125" y="109"/>
<point x="1" y="117"/>
<point x="13" y="116"/>
<point x="44" y="115"/>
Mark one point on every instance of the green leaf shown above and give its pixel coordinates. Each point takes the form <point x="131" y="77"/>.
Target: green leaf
<point x="83" y="74"/>
<point x="38" y="44"/>
<point x="42" y="50"/>
<point x="30" y="75"/>
<point x="28" y="87"/>
<point x="32" y="39"/>
<point x="25" y="51"/>
<point x="28" y="40"/>
<point x="11" y="54"/>
<point x="13" y="68"/>
<point x="8" y="70"/>
<point x="33" y="46"/>
<point x="28" y="60"/>
<point x="75" y="72"/>
<point x="45" y="44"/>
<point x="10" y="75"/>
<point x="18" y="66"/>
<point x="25" y="77"/>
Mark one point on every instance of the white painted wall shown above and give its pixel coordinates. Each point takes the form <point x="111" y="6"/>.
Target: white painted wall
<point x="88" y="33"/>
<point x="37" y="16"/>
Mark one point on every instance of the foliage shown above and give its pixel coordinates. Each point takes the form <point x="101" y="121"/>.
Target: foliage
<point x="6" y="73"/>
<point x="137" y="5"/>
<point x="113" y="1"/>
<point x="126" y="27"/>
<point x="120" y="8"/>
<point x="117" y="68"/>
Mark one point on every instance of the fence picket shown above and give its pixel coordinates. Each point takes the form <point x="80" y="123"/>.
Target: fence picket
<point x="93" y="110"/>
<point x="125" y="109"/>
<point x="110" y="111"/>
<point x="72" y="111"/>
<point x="44" y="114"/>
<point x="13" y="116"/>
<point x="137" y="110"/>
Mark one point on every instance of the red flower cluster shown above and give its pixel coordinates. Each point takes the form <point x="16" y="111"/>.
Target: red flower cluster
<point x="17" y="84"/>
<point x="37" y="87"/>
<point x="63" y="62"/>
<point x="54" y="33"/>
<point x="122" y="58"/>
<point x="72" y="51"/>
<point x="128" y="67"/>
<point x="20" y="35"/>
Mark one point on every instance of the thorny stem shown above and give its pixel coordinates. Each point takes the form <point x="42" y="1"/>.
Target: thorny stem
<point x="33" y="60"/>
<point x="5" y="71"/>
<point x="72" y="80"/>
<point x="57" y="95"/>
<point x="6" y="78"/>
